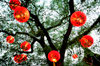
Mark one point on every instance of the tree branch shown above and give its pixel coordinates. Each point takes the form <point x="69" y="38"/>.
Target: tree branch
<point x="31" y="28"/>
<point x="60" y="22"/>
<point x="6" y="32"/>
<point x="27" y="3"/>
<point x="44" y="30"/>
<point x="66" y="36"/>
<point x="20" y="33"/>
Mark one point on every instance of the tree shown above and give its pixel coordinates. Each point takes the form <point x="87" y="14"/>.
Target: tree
<point x="46" y="32"/>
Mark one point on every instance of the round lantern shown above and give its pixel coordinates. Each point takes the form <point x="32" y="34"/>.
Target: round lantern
<point x="21" y="14"/>
<point x="14" y="3"/>
<point x="86" y="41"/>
<point x="10" y="39"/>
<point x="78" y="18"/>
<point x="18" y="59"/>
<point x="54" y="56"/>
<point x="25" y="46"/>
<point x="74" y="56"/>
<point x="24" y="57"/>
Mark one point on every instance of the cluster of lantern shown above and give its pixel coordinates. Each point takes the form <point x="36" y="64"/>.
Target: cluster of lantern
<point x="54" y="56"/>
<point x="21" y="14"/>
<point x="78" y="19"/>
<point x="25" y="47"/>
<point x="20" y="58"/>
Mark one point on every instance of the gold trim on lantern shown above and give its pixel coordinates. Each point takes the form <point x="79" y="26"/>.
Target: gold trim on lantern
<point x="26" y="44"/>
<point x="54" y="60"/>
<point x="18" y="16"/>
<point x="10" y="39"/>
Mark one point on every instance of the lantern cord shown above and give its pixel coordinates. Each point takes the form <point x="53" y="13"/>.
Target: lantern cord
<point x="54" y="64"/>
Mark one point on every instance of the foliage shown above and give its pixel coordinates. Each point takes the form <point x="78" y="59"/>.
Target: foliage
<point x="55" y="19"/>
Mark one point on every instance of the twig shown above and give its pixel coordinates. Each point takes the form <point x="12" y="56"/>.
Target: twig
<point x="44" y="30"/>
<point x="20" y="33"/>
<point x="60" y="22"/>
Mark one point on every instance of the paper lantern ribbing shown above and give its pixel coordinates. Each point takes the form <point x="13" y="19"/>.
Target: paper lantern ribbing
<point x="74" y="56"/>
<point x="25" y="46"/>
<point x="21" y="14"/>
<point x="54" y="56"/>
<point x="24" y="57"/>
<point x="20" y="58"/>
<point x="14" y="3"/>
<point x="86" y="41"/>
<point x="78" y="19"/>
<point x="10" y="39"/>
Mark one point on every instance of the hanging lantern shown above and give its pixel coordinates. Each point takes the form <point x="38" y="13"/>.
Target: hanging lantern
<point x="21" y="14"/>
<point x="54" y="56"/>
<point x="10" y="39"/>
<point x="18" y="58"/>
<point x="86" y="41"/>
<point x="78" y="18"/>
<point x="25" y="46"/>
<point x="14" y="3"/>
<point x="24" y="57"/>
<point x="74" y="56"/>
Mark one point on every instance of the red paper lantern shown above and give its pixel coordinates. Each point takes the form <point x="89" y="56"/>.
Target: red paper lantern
<point x="25" y="46"/>
<point x="74" y="56"/>
<point x="20" y="58"/>
<point x="78" y="18"/>
<point x="54" y="56"/>
<point x="14" y="3"/>
<point x="10" y="39"/>
<point x="86" y="41"/>
<point x="21" y="14"/>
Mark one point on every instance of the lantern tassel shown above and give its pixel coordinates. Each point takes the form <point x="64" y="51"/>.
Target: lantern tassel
<point x="54" y="64"/>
